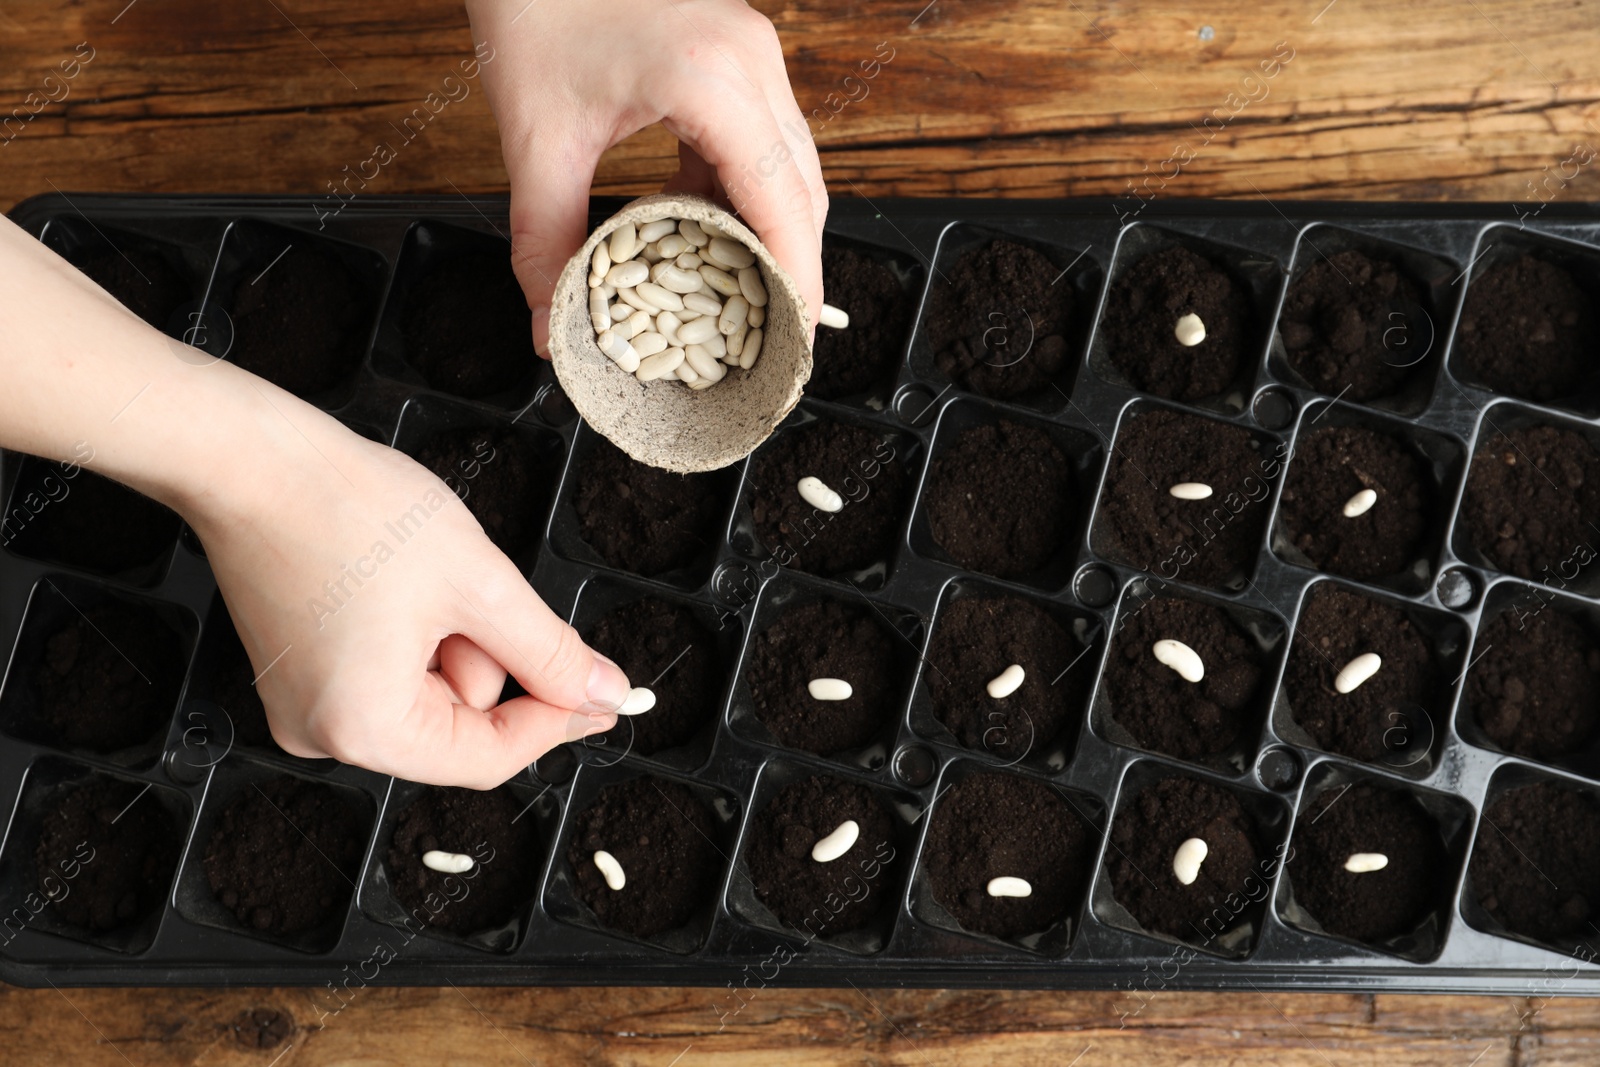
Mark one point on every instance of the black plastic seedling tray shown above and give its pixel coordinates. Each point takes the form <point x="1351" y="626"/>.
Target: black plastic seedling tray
<point x="735" y="942"/>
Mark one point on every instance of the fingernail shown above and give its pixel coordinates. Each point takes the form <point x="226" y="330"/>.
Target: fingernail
<point x="608" y="686"/>
<point x="588" y="720"/>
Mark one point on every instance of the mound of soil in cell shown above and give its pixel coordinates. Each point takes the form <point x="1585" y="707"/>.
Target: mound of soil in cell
<point x="491" y="827"/>
<point x="822" y="899"/>
<point x="999" y="825"/>
<point x="664" y="837"/>
<point x="501" y="478"/>
<point x="1532" y="501"/>
<point x="65" y="514"/>
<point x="1527" y="329"/>
<point x="1371" y="905"/>
<point x="1330" y="466"/>
<point x="997" y="320"/>
<point x="1336" y="324"/>
<point x="301" y="325"/>
<point x="641" y="518"/>
<point x="139" y="277"/>
<point x="1536" y="864"/>
<point x="1000" y="500"/>
<point x="1535" y="688"/>
<point x="113" y="848"/>
<point x="661" y="645"/>
<point x="109" y="678"/>
<point x="1142" y="313"/>
<point x="864" y="356"/>
<point x="467" y="327"/>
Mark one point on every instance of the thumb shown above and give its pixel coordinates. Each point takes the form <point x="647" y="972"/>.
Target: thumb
<point x="551" y="172"/>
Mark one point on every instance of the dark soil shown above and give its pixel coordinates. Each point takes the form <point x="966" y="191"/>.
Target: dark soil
<point x="1535" y="689"/>
<point x="863" y="356"/>
<point x="1144" y="307"/>
<point x="1536" y="864"/>
<point x="494" y="830"/>
<point x="998" y="319"/>
<point x="1336" y="318"/>
<point x="1153" y="702"/>
<point x="997" y="825"/>
<point x="1000" y="500"/>
<point x="61" y="512"/>
<point x="1208" y="542"/>
<point x="285" y="855"/>
<point x="1374" y="905"/>
<point x="109" y="678"/>
<point x="303" y="324"/>
<point x="822" y="899"/>
<point x="1147" y="834"/>
<point x="233" y="689"/>
<point x="1372" y="721"/>
<point x="641" y="518"/>
<point x="1527" y="329"/>
<point x="467" y="326"/>
<point x="1532" y="498"/>
<point x="855" y="463"/>
<point x="662" y="645"/>
<point x="825" y="639"/>
<point x="502" y="479"/>
<point x="664" y="837"/>
<point x="139" y="277"/>
<point x="112" y="848"/>
<point x="975" y="639"/>
<point x="1330" y="466"/>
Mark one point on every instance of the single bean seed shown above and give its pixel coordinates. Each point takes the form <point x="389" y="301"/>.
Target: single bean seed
<point x="641" y="321"/>
<point x="704" y="363"/>
<point x="1366" y="862"/>
<point x="758" y="315"/>
<point x="815" y="491"/>
<point x="596" y="281"/>
<point x="657" y="267"/>
<point x="1006" y="682"/>
<point x="751" y="285"/>
<point x="681" y="282"/>
<point x="608" y="289"/>
<point x="601" y="261"/>
<point x="833" y="318"/>
<point x="599" y="311"/>
<point x="652" y="232"/>
<point x="624" y="243"/>
<point x="620" y="312"/>
<point x="716" y="344"/>
<point x="688" y="261"/>
<point x="1357" y="671"/>
<point x="829" y="689"/>
<point x="667" y="324"/>
<point x="446" y="862"/>
<point x="751" y="350"/>
<point x="736" y="339"/>
<point x="837" y="843"/>
<point x="638" y="701"/>
<point x="1190" y="490"/>
<point x="1181" y="658"/>
<point x="660" y="365"/>
<point x="719" y="280"/>
<point x="627" y="274"/>
<point x="618" y="350"/>
<point x="701" y="329"/>
<point x="660" y="298"/>
<point x="729" y="254"/>
<point x="648" y="254"/>
<point x="1006" y="886"/>
<point x="1360" y="504"/>
<point x="703" y="383"/>
<point x="1187" y="860"/>
<point x="611" y="870"/>
<point x="633" y="299"/>
<point x="648" y="343"/>
<point x="672" y="246"/>
<point x="733" y="316"/>
<point x="692" y="232"/>
<point x="702" y="303"/>
<point x="1189" y="330"/>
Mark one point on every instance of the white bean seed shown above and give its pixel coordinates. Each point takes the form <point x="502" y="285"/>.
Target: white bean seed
<point x="702" y="303"/>
<point x="672" y="245"/>
<point x="621" y="312"/>
<point x="1190" y="490"/>
<point x="751" y="350"/>
<point x="667" y="324"/>
<point x="698" y="331"/>
<point x="1187" y="860"/>
<point x="1357" y="671"/>
<point x="733" y="316"/>
<point x="704" y="363"/>
<point x="815" y="491"/>
<point x="1006" y="682"/>
<point x="608" y="289"/>
<point x="618" y="350"/>
<point x="624" y="329"/>
<point x="1189" y="330"/>
<point x="640" y="321"/>
<point x="686" y="372"/>
<point x="628" y="274"/>
<point x="648" y="254"/>
<point x="829" y="689"/>
<point x="681" y="281"/>
<point x="601" y="261"/>
<point x="633" y="300"/>
<point x="624" y="243"/>
<point x="1181" y="658"/>
<point x="833" y="318"/>
<point x="688" y="261"/>
<point x="1366" y="862"/>
<point x="719" y="280"/>
<point x="638" y="701"/>
<point x="611" y="870"/>
<point x="692" y="233"/>
<point x="446" y="862"/>
<point x="660" y="365"/>
<point x="1360" y="504"/>
<point x="652" y="232"/>
<point x="716" y="344"/>
<point x="703" y="383"/>
<point x="1006" y="886"/>
<point x="758" y="315"/>
<point x="599" y="311"/>
<point x="648" y="343"/>
<point x="660" y="298"/>
<point x="736" y="339"/>
<point x="751" y="285"/>
<point x="837" y="843"/>
<point x="596" y="281"/>
<point x="730" y="255"/>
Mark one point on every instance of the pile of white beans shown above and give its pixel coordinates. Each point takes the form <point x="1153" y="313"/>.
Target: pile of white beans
<point x="678" y="300"/>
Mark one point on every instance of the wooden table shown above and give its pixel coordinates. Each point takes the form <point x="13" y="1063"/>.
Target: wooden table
<point x="1457" y="99"/>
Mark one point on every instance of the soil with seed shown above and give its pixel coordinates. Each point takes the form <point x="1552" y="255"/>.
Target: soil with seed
<point x="661" y="645"/>
<point x="494" y="829"/>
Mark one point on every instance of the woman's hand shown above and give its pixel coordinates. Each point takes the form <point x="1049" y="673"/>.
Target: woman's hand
<point x="570" y="78"/>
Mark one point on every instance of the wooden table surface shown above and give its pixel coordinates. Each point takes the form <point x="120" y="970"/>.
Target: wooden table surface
<point x="1454" y="99"/>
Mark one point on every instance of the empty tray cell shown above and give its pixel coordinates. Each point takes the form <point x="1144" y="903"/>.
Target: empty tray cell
<point x="850" y="525"/>
<point x="1532" y="501"/>
<point x="1534" y="873"/>
<point x="1363" y="319"/>
<point x="634" y="517"/>
<point x="1159" y="814"/>
<point x="222" y="699"/>
<point x="791" y="877"/>
<point x="665" y="843"/>
<point x="150" y="278"/>
<point x="1533" y="687"/>
<point x="987" y="832"/>
<point x="825" y="674"/>
<point x="1038" y="658"/>
<point x="1187" y="497"/>
<point x="275" y="856"/>
<point x="1397" y="665"/>
<point x="1006" y="318"/>
<point x="1375" y="863"/>
<point x="1164" y="284"/>
<point x="456" y="320"/>
<point x="1528" y="320"/>
<point x="301" y="308"/>
<point x="1367" y="498"/>
<point x="878" y="290"/>
<point x="96" y="670"/>
<point x="60" y="513"/>
<point x="497" y="835"/>
<point x="90" y="856"/>
<point x="1188" y="677"/>
<point x="1006" y="496"/>
<point x="506" y="475"/>
<point x="681" y="650"/>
